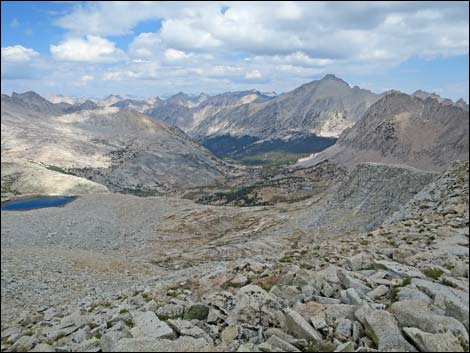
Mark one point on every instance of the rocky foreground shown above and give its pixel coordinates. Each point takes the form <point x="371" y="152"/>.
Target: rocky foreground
<point x="403" y="286"/>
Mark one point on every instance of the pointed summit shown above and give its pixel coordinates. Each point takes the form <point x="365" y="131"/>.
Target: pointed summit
<point x="330" y="77"/>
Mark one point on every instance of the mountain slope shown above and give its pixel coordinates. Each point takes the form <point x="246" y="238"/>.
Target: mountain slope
<point x="123" y="150"/>
<point x="250" y="123"/>
<point x="404" y="129"/>
<point x="324" y="107"/>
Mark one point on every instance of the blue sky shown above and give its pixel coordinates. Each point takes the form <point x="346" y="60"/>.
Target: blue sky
<point x="149" y="49"/>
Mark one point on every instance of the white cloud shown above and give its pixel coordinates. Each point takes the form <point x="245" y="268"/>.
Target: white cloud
<point x="175" y="55"/>
<point x="264" y="45"/>
<point x="254" y="74"/>
<point x="86" y="78"/>
<point x="394" y="31"/>
<point x="92" y="49"/>
<point x="145" y="45"/>
<point x="18" y="53"/>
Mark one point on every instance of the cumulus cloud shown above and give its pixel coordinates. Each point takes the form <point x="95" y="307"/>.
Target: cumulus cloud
<point x="18" y="53"/>
<point x="175" y="55"/>
<point x="254" y="74"/>
<point x="91" y="49"/>
<point x="392" y="31"/>
<point x="271" y="45"/>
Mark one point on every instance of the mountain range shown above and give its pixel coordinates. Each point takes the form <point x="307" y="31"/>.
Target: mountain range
<point x="153" y="145"/>
<point x="403" y="129"/>
<point x="122" y="150"/>
<point x="306" y="120"/>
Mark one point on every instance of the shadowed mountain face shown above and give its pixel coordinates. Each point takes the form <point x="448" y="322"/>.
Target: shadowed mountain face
<point x="123" y="150"/>
<point x="403" y="129"/>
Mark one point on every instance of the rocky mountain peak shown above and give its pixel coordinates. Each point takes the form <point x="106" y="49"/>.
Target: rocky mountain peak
<point x="30" y="95"/>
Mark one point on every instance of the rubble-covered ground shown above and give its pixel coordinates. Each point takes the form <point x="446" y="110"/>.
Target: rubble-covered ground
<point x="117" y="272"/>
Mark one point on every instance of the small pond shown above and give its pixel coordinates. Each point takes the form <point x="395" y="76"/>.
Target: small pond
<point x="36" y="202"/>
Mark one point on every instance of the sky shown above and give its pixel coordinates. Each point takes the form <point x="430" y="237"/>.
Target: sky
<point x="160" y="48"/>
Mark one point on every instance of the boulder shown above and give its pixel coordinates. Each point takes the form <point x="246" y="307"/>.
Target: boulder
<point x="110" y="338"/>
<point x="281" y="344"/>
<point x="412" y="313"/>
<point x="350" y="296"/>
<point x="359" y="261"/>
<point x="379" y="291"/>
<point x="343" y="330"/>
<point x="229" y="334"/>
<point x="433" y="342"/>
<point x="238" y="281"/>
<point x="148" y="326"/>
<point x="411" y="293"/>
<point x="299" y="327"/>
<point x="349" y="282"/>
<point x="23" y="344"/>
<point x="399" y="269"/>
<point x="182" y="344"/>
<point x="186" y="328"/>
<point x="382" y="328"/>
<point x="43" y="347"/>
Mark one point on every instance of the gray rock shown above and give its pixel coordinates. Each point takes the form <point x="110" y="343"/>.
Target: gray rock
<point x="454" y="301"/>
<point x="229" y="334"/>
<point x="382" y="328"/>
<point x="77" y="318"/>
<point x="291" y="294"/>
<point x="349" y="282"/>
<point x="170" y="311"/>
<point x="284" y="346"/>
<point x="357" y="331"/>
<point x="255" y="305"/>
<point x="90" y="345"/>
<point x="433" y="342"/>
<point x="186" y="328"/>
<point x="360" y="261"/>
<point x="343" y="329"/>
<point x="300" y="328"/>
<point x="379" y="291"/>
<point x="109" y="339"/>
<point x="266" y="347"/>
<point x="148" y="326"/>
<point x="323" y="300"/>
<point x="319" y="321"/>
<point x="214" y="315"/>
<point x="248" y="347"/>
<point x="151" y="306"/>
<point x="412" y="313"/>
<point x="23" y="344"/>
<point x="299" y="343"/>
<point x="410" y="293"/>
<point x="399" y="269"/>
<point x="335" y="312"/>
<point x="351" y="297"/>
<point x="238" y="281"/>
<point x="458" y="310"/>
<point x="182" y="344"/>
<point x="57" y="331"/>
<point x="43" y="347"/>
<point x="460" y="270"/>
<point x="25" y="318"/>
